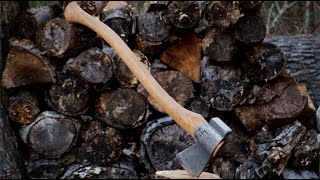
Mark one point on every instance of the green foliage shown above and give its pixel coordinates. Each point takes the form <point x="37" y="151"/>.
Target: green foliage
<point x="33" y="4"/>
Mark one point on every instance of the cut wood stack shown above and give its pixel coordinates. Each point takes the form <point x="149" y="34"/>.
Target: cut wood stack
<point x="80" y="110"/>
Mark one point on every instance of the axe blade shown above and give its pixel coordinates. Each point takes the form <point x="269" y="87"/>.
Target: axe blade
<point x="195" y="158"/>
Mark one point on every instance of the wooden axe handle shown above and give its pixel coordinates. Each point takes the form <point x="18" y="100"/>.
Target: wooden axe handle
<point x="188" y="120"/>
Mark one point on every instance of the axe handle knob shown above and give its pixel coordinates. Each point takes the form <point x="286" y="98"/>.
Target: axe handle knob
<point x="188" y="120"/>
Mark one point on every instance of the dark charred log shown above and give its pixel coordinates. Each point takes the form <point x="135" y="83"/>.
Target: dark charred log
<point x="219" y="45"/>
<point x="264" y="62"/>
<point x="29" y="20"/>
<point x="184" y="15"/>
<point x="250" y="28"/>
<point x="51" y="134"/>
<point x="123" y="109"/>
<point x="223" y="13"/>
<point x="102" y="145"/>
<point x="222" y="86"/>
<point x="92" y="65"/>
<point x="70" y="95"/>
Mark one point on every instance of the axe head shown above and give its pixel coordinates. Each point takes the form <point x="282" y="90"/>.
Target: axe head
<point x="195" y="158"/>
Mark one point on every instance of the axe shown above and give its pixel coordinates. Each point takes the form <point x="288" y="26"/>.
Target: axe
<point x="208" y="136"/>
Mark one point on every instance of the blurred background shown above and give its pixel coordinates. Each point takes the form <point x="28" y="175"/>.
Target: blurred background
<point x="281" y="17"/>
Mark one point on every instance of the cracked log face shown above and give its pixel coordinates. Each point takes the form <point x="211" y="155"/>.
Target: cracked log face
<point x="282" y="103"/>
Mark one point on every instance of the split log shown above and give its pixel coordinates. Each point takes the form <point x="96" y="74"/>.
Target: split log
<point x="184" y="15"/>
<point x="222" y="86"/>
<point x="185" y="56"/>
<point x="303" y="52"/>
<point x="306" y="153"/>
<point x="154" y="32"/>
<point x="44" y="169"/>
<point x="182" y="174"/>
<point x="123" y="109"/>
<point x="102" y="145"/>
<point x="29" y="20"/>
<point x="250" y="28"/>
<point x="299" y="174"/>
<point x="161" y="140"/>
<point x="274" y="150"/>
<point x="123" y="75"/>
<point x="70" y="95"/>
<point x="92" y="65"/>
<point x="120" y="18"/>
<point x="176" y="84"/>
<point x="283" y="102"/>
<point x="25" y="65"/>
<point x="286" y="138"/>
<point x="223" y="14"/>
<point x="264" y="62"/>
<point x="307" y="116"/>
<point x="219" y="45"/>
<point x="51" y="134"/>
<point x="10" y="158"/>
<point x="23" y="107"/>
<point x="59" y="38"/>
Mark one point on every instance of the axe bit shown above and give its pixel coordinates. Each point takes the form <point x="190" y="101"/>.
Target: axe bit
<point x="208" y="136"/>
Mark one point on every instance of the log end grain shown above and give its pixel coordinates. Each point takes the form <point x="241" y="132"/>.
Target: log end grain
<point x="185" y="56"/>
<point x="25" y="65"/>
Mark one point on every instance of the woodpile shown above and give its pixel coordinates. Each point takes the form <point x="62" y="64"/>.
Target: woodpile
<point x="80" y="112"/>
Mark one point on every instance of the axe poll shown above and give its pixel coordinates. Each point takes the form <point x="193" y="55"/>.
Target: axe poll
<point x="208" y="136"/>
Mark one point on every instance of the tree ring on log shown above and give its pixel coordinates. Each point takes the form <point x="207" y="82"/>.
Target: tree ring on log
<point x="51" y="133"/>
<point x="219" y="45"/>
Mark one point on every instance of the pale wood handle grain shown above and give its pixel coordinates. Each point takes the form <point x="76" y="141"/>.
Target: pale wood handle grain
<point x="188" y="120"/>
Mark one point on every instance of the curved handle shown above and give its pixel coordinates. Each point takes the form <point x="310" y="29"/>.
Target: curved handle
<point x="188" y="120"/>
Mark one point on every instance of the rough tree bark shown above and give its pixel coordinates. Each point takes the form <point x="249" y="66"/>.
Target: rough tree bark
<point x="8" y="151"/>
<point x="303" y="60"/>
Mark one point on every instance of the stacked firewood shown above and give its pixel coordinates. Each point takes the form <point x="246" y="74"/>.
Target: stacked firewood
<point x="81" y="113"/>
